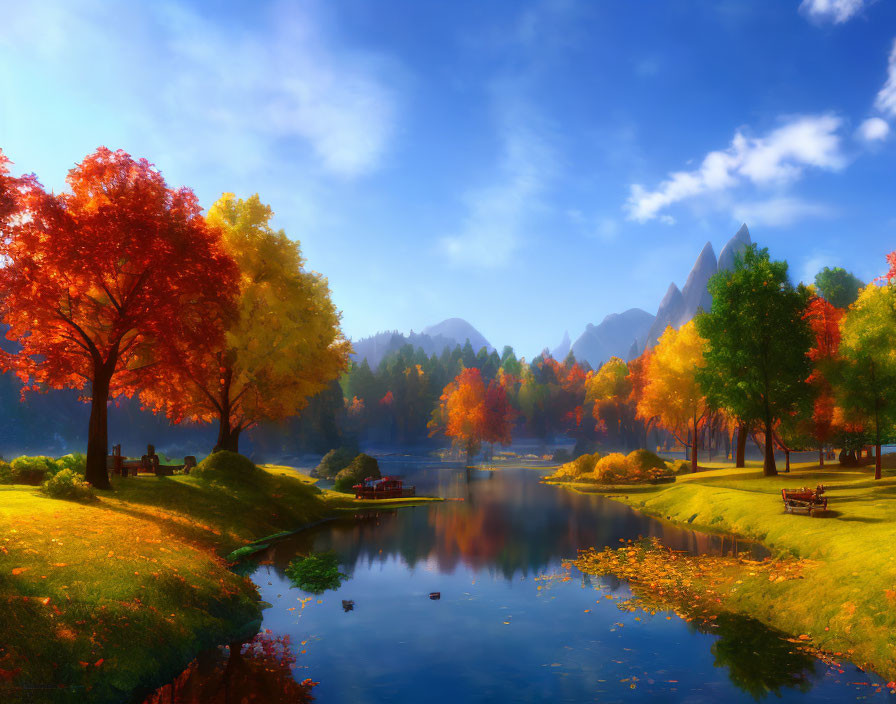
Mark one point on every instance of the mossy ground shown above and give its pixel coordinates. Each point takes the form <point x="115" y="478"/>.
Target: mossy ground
<point x="845" y="598"/>
<point x="118" y="595"/>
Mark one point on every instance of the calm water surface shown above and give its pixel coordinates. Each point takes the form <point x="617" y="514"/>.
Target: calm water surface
<point x="501" y="632"/>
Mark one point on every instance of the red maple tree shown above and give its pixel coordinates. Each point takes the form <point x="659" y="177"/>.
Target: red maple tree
<point x="472" y="413"/>
<point x="94" y="276"/>
<point x="824" y="319"/>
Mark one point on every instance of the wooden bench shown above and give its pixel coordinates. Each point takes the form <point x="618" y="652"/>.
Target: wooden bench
<point x="804" y="500"/>
<point x="148" y="463"/>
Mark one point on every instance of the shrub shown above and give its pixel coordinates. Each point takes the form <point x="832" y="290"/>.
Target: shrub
<point x="640" y="466"/>
<point x="32" y="470"/>
<point x="68" y="484"/>
<point x="579" y="468"/>
<point x="615" y="468"/>
<point x="316" y="573"/>
<point x="229" y="468"/>
<point x="76" y="461"/>
<point x="645" y="460"/>
<point x="361" y="468"/>
<point x="681" y="467"/>
<point x="5" y="473"/>
<point x="333" y="462"/>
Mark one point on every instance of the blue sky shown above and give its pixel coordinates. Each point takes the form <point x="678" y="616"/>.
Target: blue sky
<point x="530" y="167"/>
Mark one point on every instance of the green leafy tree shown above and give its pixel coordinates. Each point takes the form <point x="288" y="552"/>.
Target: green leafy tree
<point x="757" y="347"/>
<point x="865" y="379"/>
<point x="838" y="286"/>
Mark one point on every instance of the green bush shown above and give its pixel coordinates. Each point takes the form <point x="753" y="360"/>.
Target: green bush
<point x="333" y="462"/>
<point x="361" y="468"/>
<point x="645" y="460"/>
<point x="681" y="467"/>
<point x="229" y="468"/>
<point x="5" y="473"/>
<point x="32" y="470"/>
<point x="68" y="484"/>
<point x="76" y="461"/>
<point x="316" y="573"/>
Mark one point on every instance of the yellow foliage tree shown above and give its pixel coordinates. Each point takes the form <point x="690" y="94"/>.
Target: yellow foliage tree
<point x="671" y="393"/>
<point x="283" y="342"/>
<point x="609" y="390"/>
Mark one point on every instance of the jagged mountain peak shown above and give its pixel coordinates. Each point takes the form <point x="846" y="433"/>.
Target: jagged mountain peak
<point x="735" y="245"/>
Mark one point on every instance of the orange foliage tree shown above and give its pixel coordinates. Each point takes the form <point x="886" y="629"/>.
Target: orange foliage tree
<point x="283" y="343"/>
<point x="824" y="320"/>
<point x="94" y="277"/>
<point x="672" y="395"/>
<point x="471" y="413"/>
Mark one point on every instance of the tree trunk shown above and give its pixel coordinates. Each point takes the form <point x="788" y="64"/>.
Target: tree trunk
<point x="821" y="456"/>
<point x="741" y="446"/>
<point x="696" y="436"/>
<point x="228" y="436"/>
<point x="787" y="461"/>
<point x="877" y="471"/>
<point x="768" y="467"/>
<point x="98" y="430"/>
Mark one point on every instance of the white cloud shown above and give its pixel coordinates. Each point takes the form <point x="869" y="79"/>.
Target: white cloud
<point x="836" y="11"/>
<point x="779" y="157"/>
<point x="886" y="98"/>
<point x="496" y="214"/>
<point x="779" y="212"/>
<point x="204" y="91"/>
<point x="873" y="129"/>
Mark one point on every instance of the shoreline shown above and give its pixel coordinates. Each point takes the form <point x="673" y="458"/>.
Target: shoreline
<point x="119" y="595"/>
<point x="843" y="601"/>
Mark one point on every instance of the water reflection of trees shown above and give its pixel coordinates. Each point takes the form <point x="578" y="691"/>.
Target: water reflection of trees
<point x="260" y="669"/>
<point x="507" y="523"/>
<point x="760" y="661"/>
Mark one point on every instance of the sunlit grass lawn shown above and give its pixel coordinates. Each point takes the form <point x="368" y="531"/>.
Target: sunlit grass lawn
<point x="847" y="602"/>
<point x="115" y="594"/>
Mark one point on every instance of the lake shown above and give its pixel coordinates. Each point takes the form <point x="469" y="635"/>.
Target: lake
<point x="511" y="624"/>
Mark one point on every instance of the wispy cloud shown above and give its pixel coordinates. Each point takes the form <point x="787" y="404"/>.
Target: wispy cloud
<point x="250" y="92"/>
<point x="779" y="157"/>
<point x="886" y="98"/>
<point x="496" y="214"/>
<point x="780" y="211"/>
<point x="836" y="11"/>
<point x="873" y="130"/>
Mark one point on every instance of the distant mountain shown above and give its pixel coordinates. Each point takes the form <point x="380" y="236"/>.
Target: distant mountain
<point x="460" y="331"/>
<point x="613" y="337"/>
<point x="736" y="244"/>
<point x="677" y="308"/>
<point x="562" y="350"/>
<point x="628" y="334"/>
<point x="433" y="340"/>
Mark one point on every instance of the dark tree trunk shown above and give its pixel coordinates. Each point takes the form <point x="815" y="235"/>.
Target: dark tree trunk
<point x="769" y="469"/>
<point x="98" y="430"/>
<point x="787" y="461"/>
<point x="821" y="456"/>
<point x="877" y="470"/>
<point x="694" y="449"/>
<point x="741" y="446"/>
<point x="228" y="436"/>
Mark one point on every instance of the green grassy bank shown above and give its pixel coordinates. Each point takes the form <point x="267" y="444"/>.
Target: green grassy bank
<point x="843" y="599"/>
<point x="103" y="599"/>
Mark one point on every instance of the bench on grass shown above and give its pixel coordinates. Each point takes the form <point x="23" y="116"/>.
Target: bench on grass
<point x="148" y="464"/>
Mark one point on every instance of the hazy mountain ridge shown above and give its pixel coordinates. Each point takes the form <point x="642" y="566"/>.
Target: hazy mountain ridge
<point x="623" y="335"/>
<point x="432" y="340"/>
<point x="598" y="343"/>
